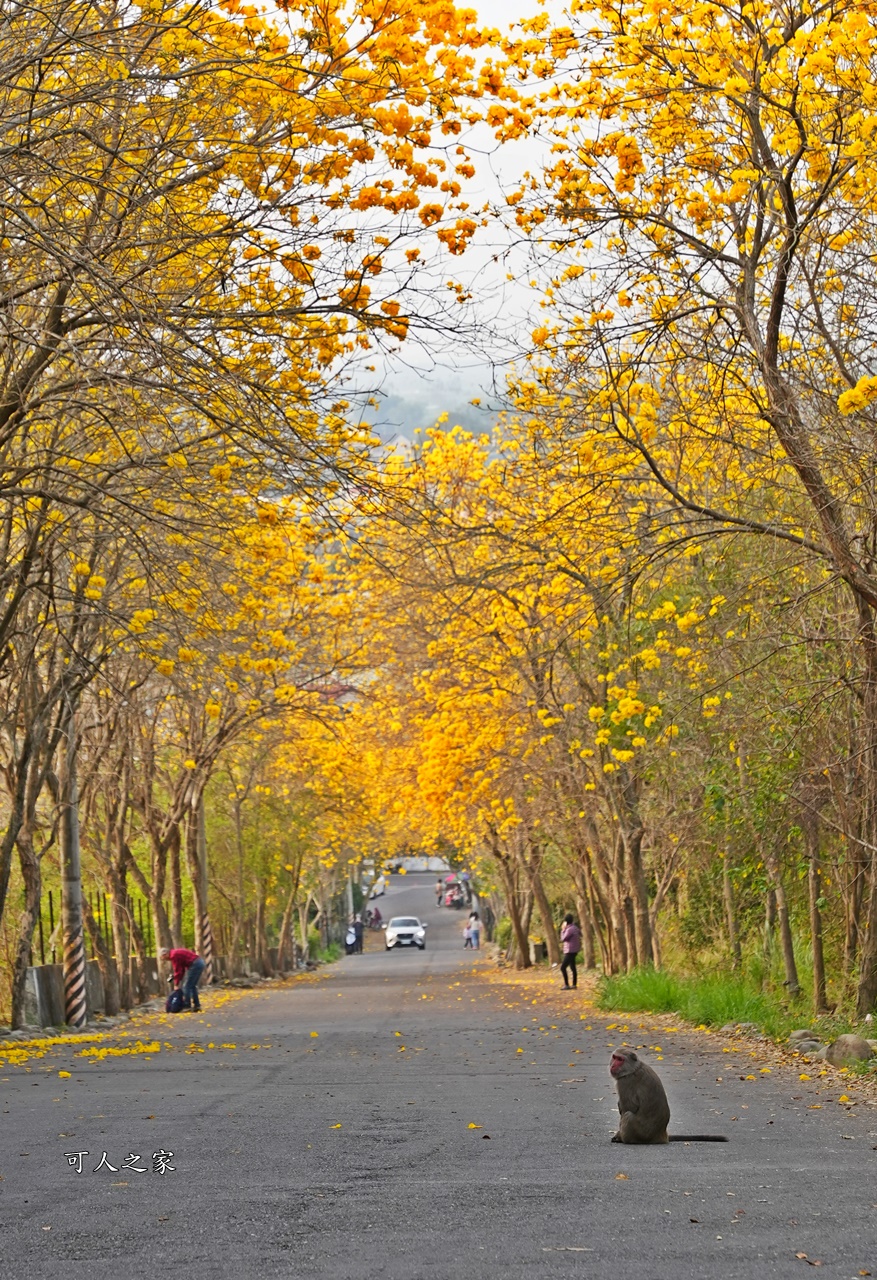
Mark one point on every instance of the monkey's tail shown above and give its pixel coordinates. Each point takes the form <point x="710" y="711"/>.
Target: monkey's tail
<point x="697" y="1137"/>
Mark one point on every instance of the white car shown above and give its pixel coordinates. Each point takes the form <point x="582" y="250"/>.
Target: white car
<point x="405" y="931"/>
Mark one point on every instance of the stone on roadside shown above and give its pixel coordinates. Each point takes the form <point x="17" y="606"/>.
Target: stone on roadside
<point x="847" y="1049"/>
<point x="804" y="1042"/>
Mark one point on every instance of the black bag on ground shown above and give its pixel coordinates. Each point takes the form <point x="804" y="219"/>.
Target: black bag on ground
<point x="174" y="1002"/>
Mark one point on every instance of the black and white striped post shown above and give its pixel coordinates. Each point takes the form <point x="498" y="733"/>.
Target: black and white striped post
<point x="205" y="940"/>
<point x="75" y="1009"/>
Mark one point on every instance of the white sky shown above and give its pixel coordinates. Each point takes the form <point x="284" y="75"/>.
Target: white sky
<point x="418" y="385"/>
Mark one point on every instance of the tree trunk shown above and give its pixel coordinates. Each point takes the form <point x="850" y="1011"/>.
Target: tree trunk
<point x="122" y="946"/>
<point x="242" y="896"/>
<point x="598" y="897"/>
<point x="177" y="895"/>
<point x="866" y="996"/>
<point x="114" y="873"/>
<point x="730" y="913"/>
<point x="160" y="925"/>
<point x="544" y="908"/>
<point x="630" y="932"/>
<point x="618" y="918"/>
<point x="642" y="929"/>
<point x="519" y="927"/>
<point x="286" y="943"/>
<point x="852" y="923"/>
<point x="583" y="906"/>
<point x="263" y="952"/>
<point x="303" y="913"/>
<point x="527" y="917"/>
<point x="770" y="918"/>
<point x="618" y="935"/>
<point x="632" y="876"/>
<point x="105" y="962"/>
<point x="810" y="832"/>
<point x="20" y="772"/>
<point x="30" y="872"/>
<point x="786" y="942"/>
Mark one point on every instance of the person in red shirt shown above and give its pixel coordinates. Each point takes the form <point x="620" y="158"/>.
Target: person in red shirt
<point x="188" y="967"/>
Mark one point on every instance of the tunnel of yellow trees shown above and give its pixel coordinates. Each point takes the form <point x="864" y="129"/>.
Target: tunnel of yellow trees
<point x="607" y="639"/>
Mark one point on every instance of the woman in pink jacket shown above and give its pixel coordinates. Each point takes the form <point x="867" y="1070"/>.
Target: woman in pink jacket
<point x="571" y="941"/>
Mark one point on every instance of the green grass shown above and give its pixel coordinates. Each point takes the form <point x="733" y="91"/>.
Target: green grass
<point x="710" y="1001"/>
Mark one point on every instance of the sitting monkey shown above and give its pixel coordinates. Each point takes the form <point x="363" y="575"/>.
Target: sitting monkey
<point x="642" y="1103"/>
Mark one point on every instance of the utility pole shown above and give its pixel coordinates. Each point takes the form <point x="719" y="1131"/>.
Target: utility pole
<point x="75" y="1008"/>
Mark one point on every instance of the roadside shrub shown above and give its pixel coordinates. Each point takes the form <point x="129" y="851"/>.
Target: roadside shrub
<point x="502" y="933"/>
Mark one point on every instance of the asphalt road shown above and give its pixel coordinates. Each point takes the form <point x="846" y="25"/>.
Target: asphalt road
<point x="352" y="1151"/>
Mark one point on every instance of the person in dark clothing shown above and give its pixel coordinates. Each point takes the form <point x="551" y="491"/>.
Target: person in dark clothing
<point x="571" y="941"/>
<point x="188" y="967"/>
<point x="358" y="930"/>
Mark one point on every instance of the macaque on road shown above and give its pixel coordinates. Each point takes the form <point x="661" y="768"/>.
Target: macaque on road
<point x="642" y="1103"/>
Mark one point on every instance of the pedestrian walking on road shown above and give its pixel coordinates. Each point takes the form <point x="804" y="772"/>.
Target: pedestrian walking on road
<point x="358" y="930"/>
<point x="439" y="891"/>
<point x="475" y="930"/>
<point x="571" y="941"/>
<point x="188" y="967"/>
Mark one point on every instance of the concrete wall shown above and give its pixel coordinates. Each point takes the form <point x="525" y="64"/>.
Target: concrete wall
<point x="94" y="988"/>
<point x="152" y="980"/>
<point x="44" y="996"/>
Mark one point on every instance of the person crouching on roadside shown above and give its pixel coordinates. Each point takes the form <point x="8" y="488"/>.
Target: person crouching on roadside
<point x="188" y="967"/>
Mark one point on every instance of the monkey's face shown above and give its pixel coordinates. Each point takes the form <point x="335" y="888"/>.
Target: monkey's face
<point x="623" y="1062"/>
